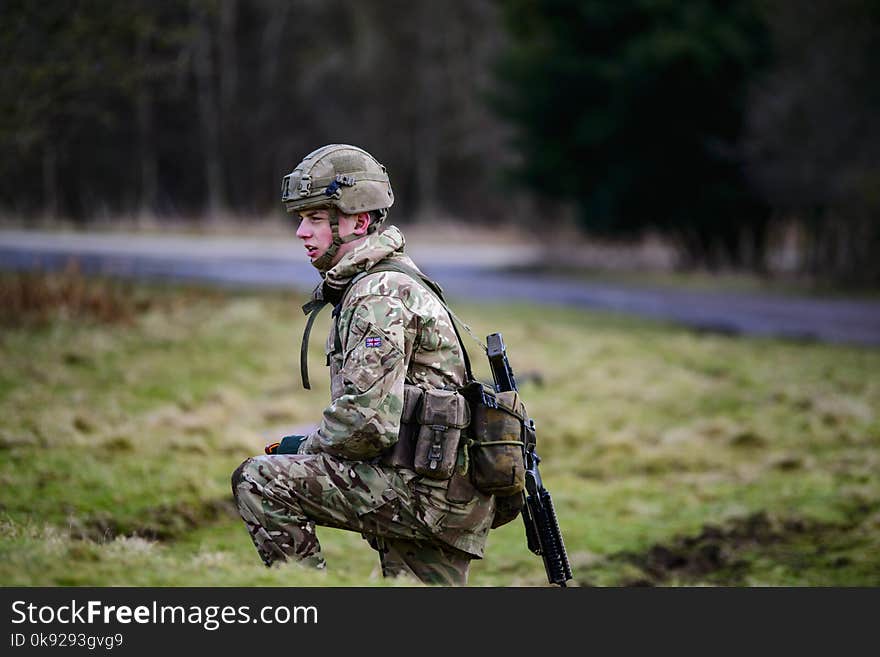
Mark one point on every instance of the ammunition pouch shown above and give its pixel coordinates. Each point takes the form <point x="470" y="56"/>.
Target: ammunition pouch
<point x="402" y="453"/>
<point x="499" y="430"/>
<point x="443" y="414"/>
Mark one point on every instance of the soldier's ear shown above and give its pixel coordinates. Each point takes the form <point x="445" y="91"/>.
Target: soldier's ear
<point x="361" y="223"/>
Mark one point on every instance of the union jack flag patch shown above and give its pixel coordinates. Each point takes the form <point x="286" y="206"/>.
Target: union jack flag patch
<point x="373" y="341"/>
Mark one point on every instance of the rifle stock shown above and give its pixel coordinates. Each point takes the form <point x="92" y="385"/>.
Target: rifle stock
<point x="543" y="535"/>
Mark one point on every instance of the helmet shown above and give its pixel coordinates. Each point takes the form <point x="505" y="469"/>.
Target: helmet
<point x="343" y="178"/>
<point x="340" y="175"/>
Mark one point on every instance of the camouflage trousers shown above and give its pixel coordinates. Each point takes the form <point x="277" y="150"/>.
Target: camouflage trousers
<point x="282" y="498"/>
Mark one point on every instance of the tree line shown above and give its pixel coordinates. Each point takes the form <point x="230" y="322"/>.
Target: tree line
<point x="186" y="107"/>
<point x="716" y="123"/>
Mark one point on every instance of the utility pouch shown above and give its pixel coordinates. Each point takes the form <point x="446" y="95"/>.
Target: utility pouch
<point x="444" y="413"/>
<point x="402" y="453"/>
<point x="497" y="464"/>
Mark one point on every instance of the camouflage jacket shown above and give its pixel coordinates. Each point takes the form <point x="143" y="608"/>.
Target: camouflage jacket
<point x="391" y="330"/>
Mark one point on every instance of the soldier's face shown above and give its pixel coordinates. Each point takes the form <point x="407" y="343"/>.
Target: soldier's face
<point x="316" y="234"/>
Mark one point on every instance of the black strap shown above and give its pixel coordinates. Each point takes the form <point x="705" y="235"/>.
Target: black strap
<point x="312" y="308"/>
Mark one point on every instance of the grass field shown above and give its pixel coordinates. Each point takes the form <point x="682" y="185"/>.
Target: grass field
<point x="674" y="458"/>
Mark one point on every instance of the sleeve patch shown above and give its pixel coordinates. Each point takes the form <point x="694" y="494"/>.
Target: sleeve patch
<point x="374" y="357"/>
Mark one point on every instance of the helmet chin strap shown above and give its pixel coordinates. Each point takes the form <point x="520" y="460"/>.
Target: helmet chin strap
<point x="325" y="262"/>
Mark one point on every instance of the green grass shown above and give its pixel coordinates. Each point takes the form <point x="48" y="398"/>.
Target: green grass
<point x="674" y="458"/>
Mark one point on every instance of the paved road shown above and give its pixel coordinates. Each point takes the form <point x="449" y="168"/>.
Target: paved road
<point x="278" y="262"/>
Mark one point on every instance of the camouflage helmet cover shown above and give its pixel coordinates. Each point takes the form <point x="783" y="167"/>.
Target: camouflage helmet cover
<point x="339" y="175"/>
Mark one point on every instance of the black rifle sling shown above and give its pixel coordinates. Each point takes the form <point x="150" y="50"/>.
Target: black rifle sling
<point x="314" y="307"/>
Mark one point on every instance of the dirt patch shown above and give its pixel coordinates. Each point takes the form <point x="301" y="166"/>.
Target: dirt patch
<point x="714" y="548"/>
<point x="720" y="554"/>
<point x="163" y="523"/>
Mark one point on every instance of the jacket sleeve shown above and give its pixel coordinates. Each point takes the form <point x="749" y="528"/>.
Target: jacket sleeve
<point x="364" y="420"/>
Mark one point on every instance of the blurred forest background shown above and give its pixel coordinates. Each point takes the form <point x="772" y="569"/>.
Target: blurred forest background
<point x="730" y="129"/>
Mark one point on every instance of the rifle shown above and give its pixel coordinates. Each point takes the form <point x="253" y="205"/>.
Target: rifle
<point x="542" y="529"/>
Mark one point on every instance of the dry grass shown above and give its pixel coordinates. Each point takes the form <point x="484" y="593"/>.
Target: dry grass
<point x="29" y="298"/>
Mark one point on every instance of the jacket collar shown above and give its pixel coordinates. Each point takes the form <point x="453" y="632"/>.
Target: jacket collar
<point x="377" y="246"/>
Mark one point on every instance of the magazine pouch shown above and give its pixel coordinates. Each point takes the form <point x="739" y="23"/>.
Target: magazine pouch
<point x="443" y="414"/>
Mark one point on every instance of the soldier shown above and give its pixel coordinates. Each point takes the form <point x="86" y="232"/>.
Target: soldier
<point x="392" y="340"/>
